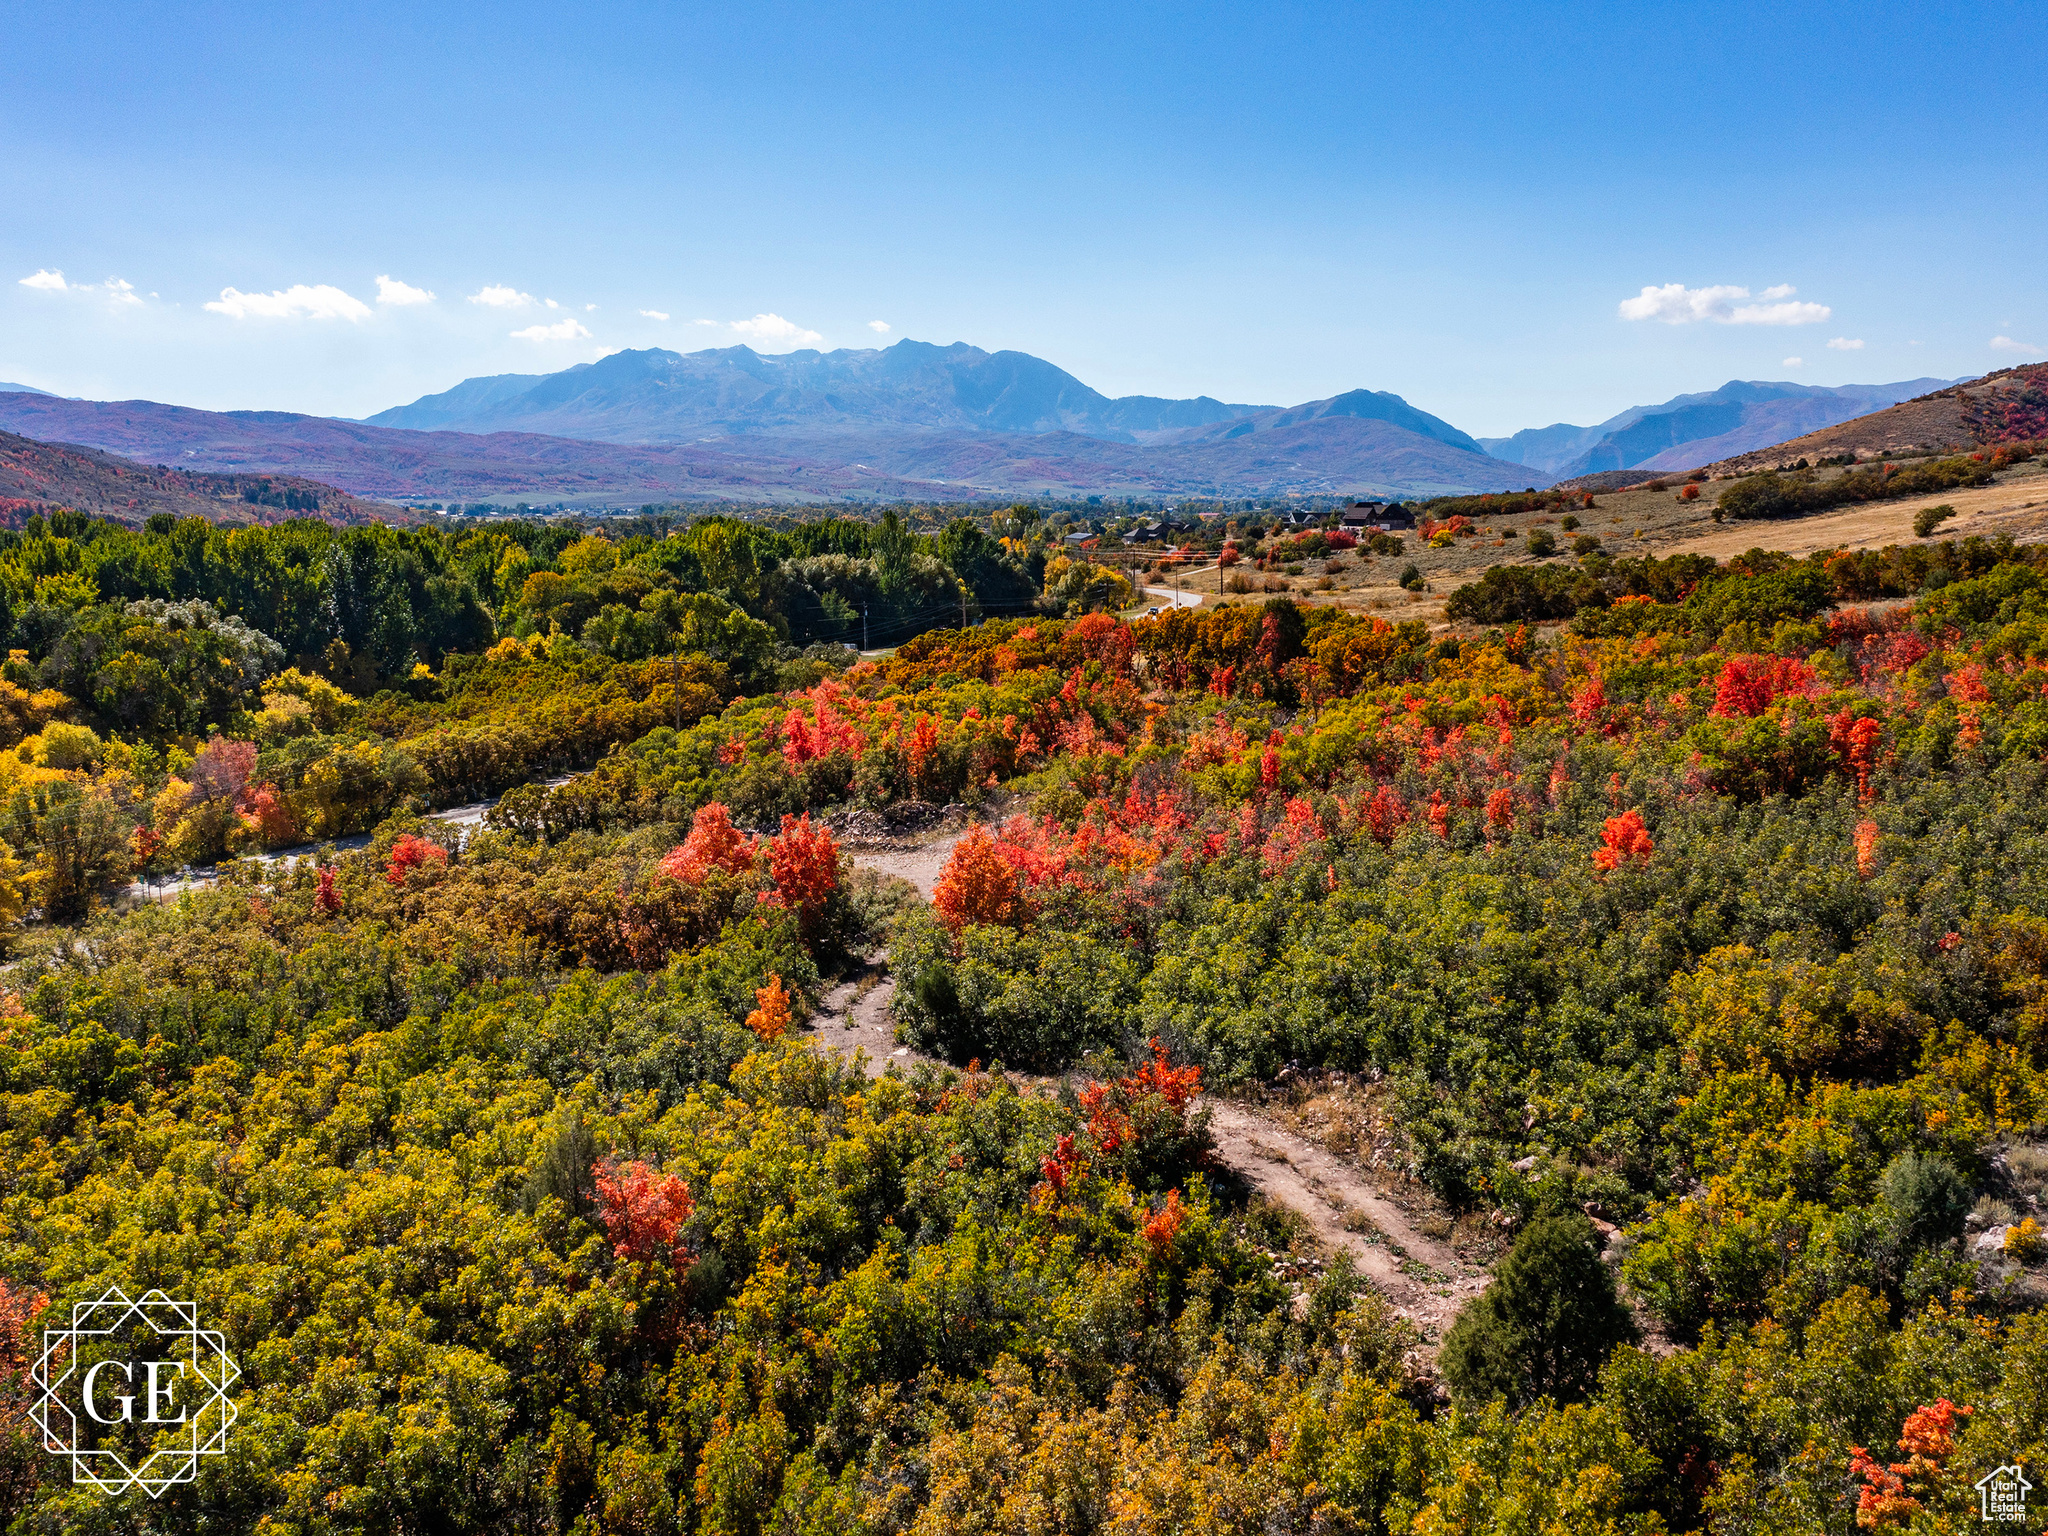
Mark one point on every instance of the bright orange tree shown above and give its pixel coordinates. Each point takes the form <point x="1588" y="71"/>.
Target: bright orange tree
<point x="978" y="886"/>
<point x="1928" y="1438"/>
<point x="1623" y="839"/>
<point x="771" y="1010"/>
<point x="643" y="1212"/>
<point x="714" y="843"/>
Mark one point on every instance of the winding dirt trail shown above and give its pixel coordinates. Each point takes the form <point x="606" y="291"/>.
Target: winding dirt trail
<point x="1424" y="1280"/>
<point x="855" y="1015"/>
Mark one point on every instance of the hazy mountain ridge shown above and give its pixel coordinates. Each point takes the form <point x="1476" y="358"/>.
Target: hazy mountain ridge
<point x="1365" y="404"/>
<point x="653" y="395"/>
<point x="1693" y="429"/>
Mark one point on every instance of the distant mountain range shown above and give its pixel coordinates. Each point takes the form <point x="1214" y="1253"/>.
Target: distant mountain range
<point x="21" y="389"/>
<point x="1334" y="454"/>
<point x="911" y="421"/>
<point x="1690" y="430"/>
<point x="2007" y="406"/>
<point x="906" y="422"/>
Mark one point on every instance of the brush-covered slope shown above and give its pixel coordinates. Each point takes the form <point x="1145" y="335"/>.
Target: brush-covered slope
<point x="42" y="477"/>
<point x="2010" y="405"/>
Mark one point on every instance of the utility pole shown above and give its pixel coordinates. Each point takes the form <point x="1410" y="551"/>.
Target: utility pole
<point x="863" y="626"/>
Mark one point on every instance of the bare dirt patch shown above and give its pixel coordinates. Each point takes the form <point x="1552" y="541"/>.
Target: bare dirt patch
<point x="1421" y="1276"/>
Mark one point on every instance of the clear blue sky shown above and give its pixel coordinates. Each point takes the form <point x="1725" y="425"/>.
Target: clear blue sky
<point x="1265" y="203"/>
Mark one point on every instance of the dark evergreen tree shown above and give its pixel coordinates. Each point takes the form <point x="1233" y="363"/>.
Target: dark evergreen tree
<point x="1545" y="1326"/>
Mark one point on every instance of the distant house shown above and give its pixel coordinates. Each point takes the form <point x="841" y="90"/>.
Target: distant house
<point x="1376" y="517"/>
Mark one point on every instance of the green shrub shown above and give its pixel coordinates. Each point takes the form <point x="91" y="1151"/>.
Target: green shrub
<point x="1545" y="1326"/>
<point x="1510" y="593"/>
<point x="1927" y="519"/>
<point x="1542" y="543"/>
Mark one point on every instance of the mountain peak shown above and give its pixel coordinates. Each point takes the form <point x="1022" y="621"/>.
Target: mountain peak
<point x="652" y="395"/>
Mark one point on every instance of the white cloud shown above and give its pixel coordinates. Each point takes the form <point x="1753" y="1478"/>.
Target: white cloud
<point x="1793" y="362"/>
<point x="318" y="301"/>
<point x="879" y="327"/>
<point x="703" y="322"/>
<point x="116" y="290"/>
<point x="588" y="308"/>
<point x="774" y="328"/>
<point x="391" y="291"/>
<point x="498" y="296"/>
<point x="652" y="314"/>
<point x="561" y="330"/>
<point x="551" y="304"/>
<point x="2007" y="344"/>
<point x="1676" y="304"/>
<point x="1846" y="344"/>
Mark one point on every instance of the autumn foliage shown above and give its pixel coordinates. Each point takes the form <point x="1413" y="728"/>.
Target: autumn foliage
<point x="1623" y="839"/>
<point x="1887" y="1497"/>
<point x="714" y="843"/>
<point x="643" y="1212"/>
<point x="978" y="886"/>
<point x="803" y="861"/>
<point x="411" y="854"/>
<point x="771" y="1010"/>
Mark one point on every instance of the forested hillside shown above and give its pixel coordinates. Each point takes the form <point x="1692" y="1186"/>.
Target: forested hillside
<point x="1686" y="943"/>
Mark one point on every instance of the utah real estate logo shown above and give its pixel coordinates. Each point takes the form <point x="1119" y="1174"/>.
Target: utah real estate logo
<point x="134" y="1392"/>
<point x="2003" y="1491"/>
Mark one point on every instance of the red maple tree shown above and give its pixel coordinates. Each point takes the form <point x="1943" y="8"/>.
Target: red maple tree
<point x="714" y="843"/>
<point x="410" y="853"/>
<point x="804" y="863"/>
<point x="1623" y="839"/>
<point x="978" y="886"/>
<point x="643" y="1212"/>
